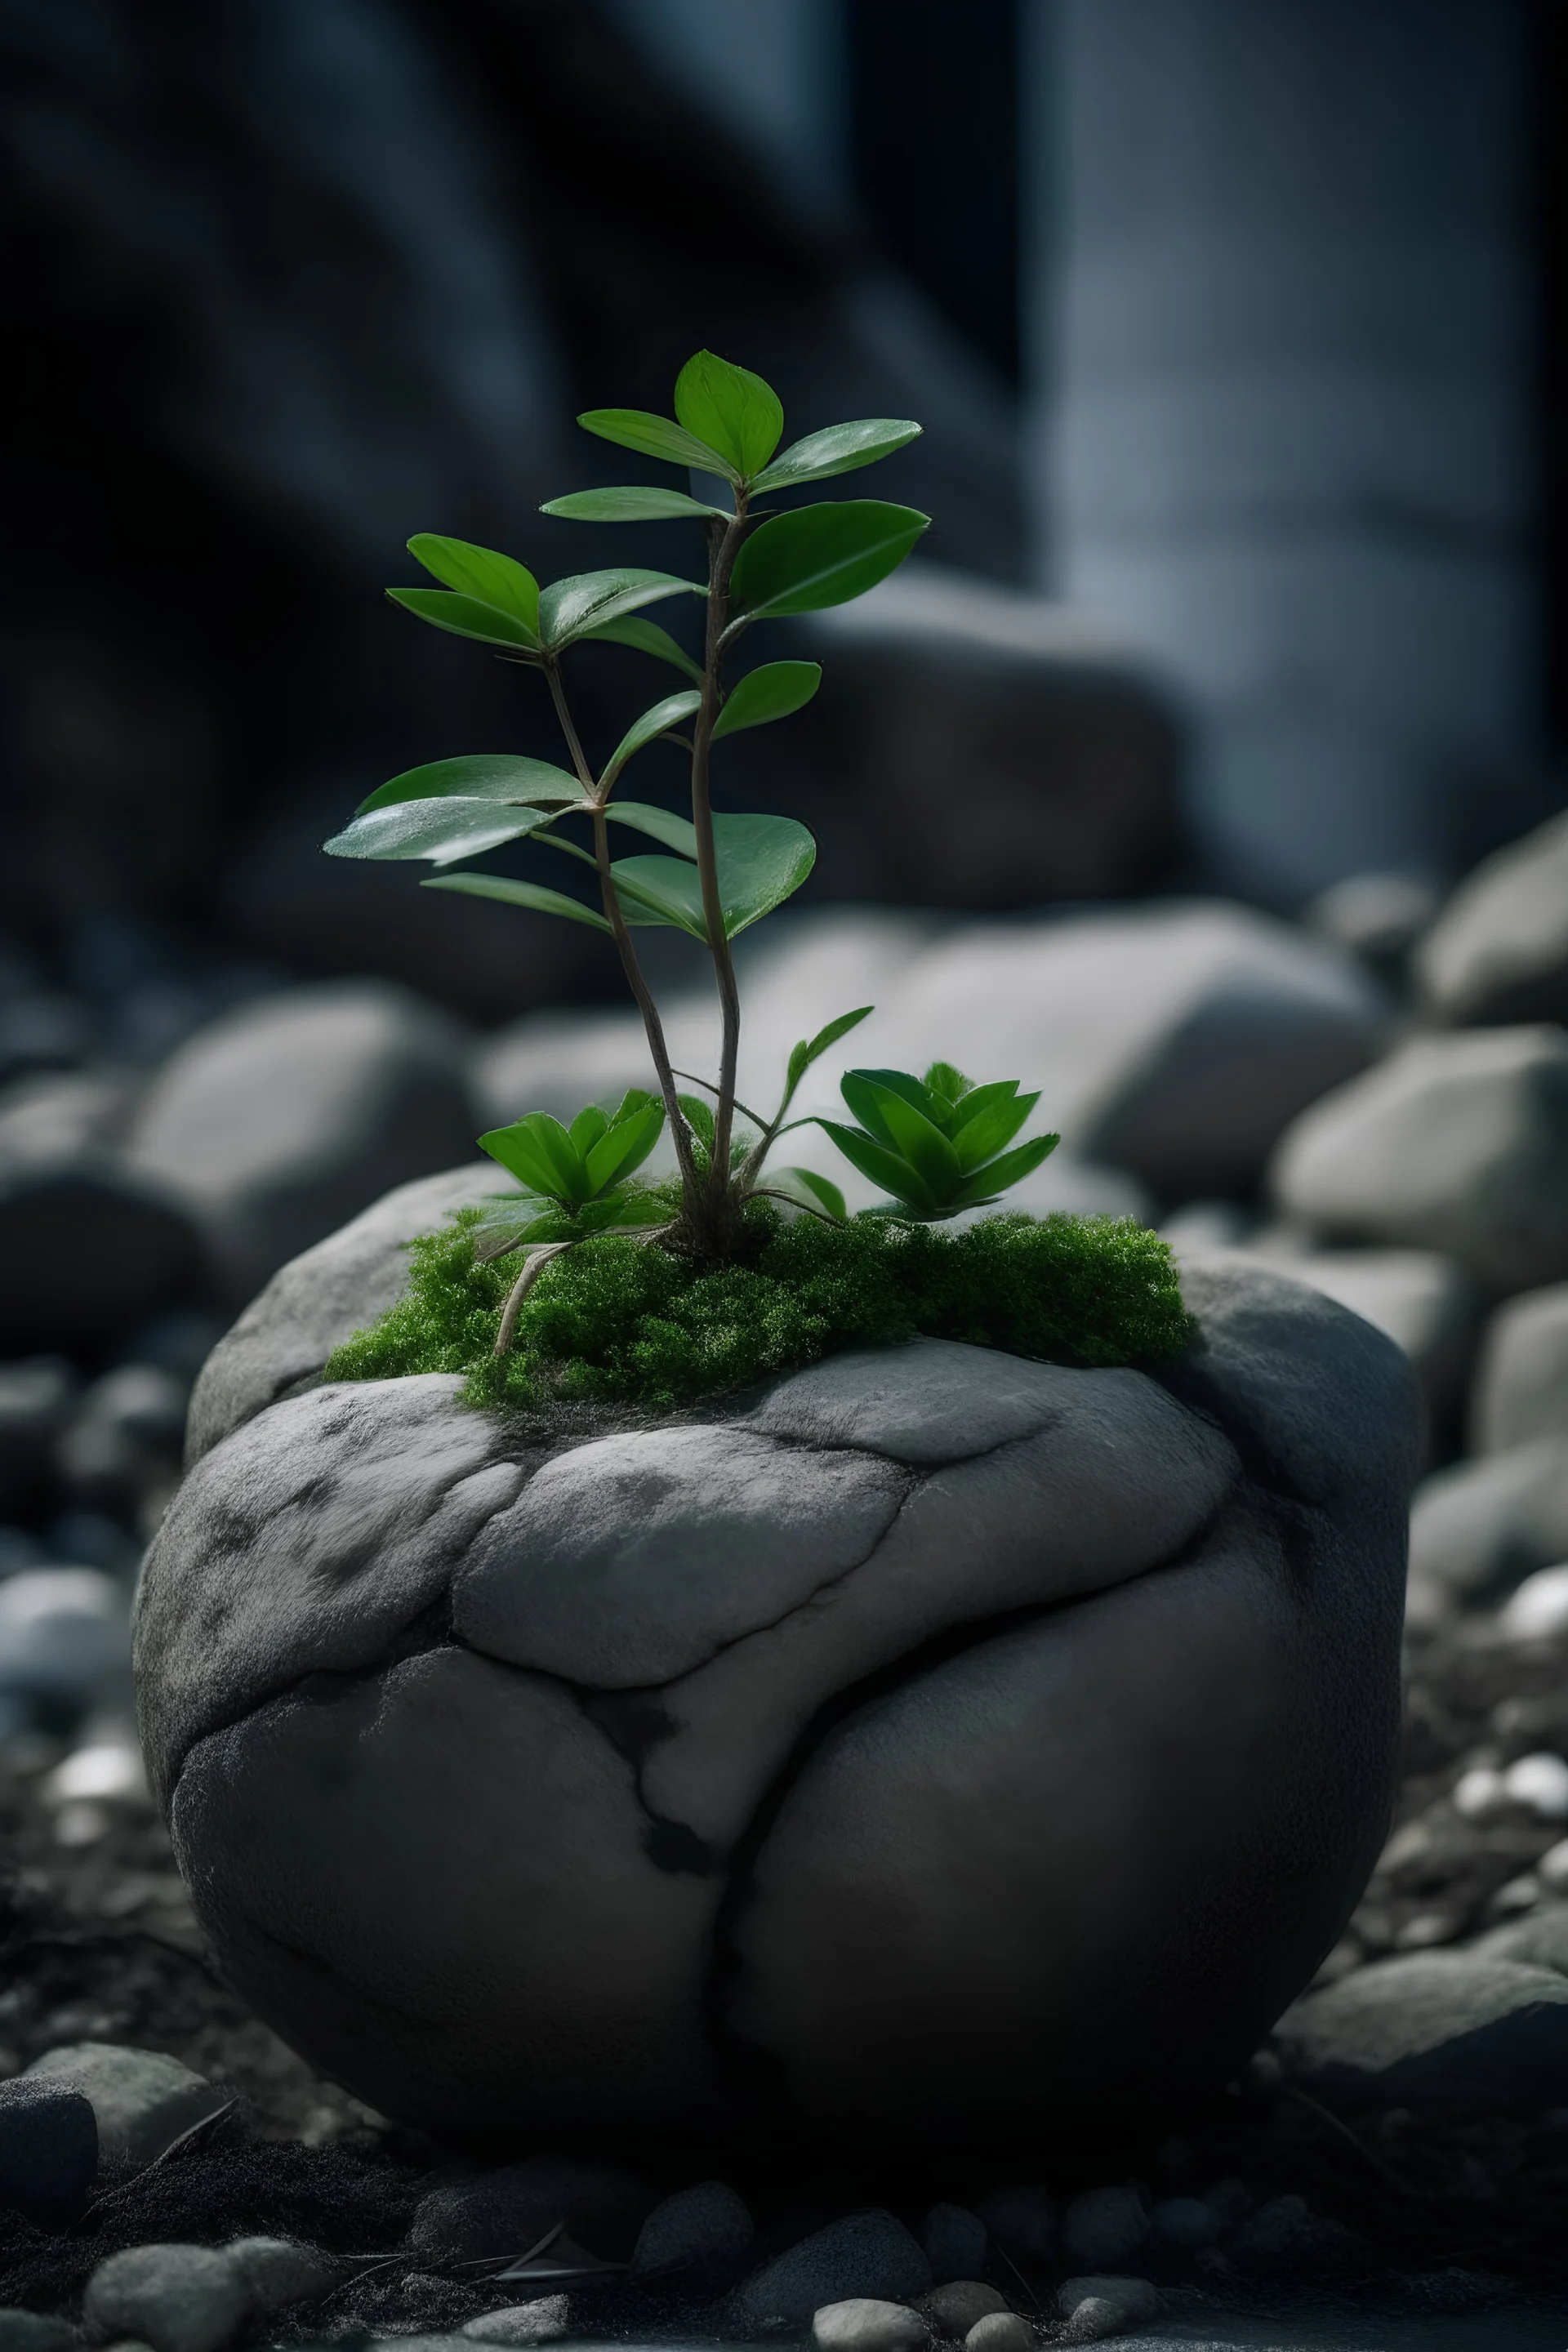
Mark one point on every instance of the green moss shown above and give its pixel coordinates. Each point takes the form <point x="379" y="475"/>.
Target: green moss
<point x="618" y="1319"/>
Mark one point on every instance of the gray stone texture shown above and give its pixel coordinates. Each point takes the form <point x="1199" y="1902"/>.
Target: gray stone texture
<point x="1498" y="951"/>
<point x="176" y="2298"/>
<point x="1438" y="2032"/>
<point x="1106" y="2228"/>
<point x="1478" y="1528"/>
<point x="471" y="2217"/>
<point x="35" y="2331"/>
<point x="1455" y="1144"/>
<point x="955" y="2241"/>
<point x="542" y="1791"/>
<point x="696" y="2227"/>
<point x="1521" y="1389"/>
<point x="866" y="2256"/>
<point x="863" y="2323"/>
<point x="280" y="1119"/>
<point x="960" y="2305"/>
<point x="319" y="1299"/>
<point x="539" y="2322"/>
<point x="143" y="2099"/>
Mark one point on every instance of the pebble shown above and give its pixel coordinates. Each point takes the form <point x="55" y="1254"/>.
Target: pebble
<point x="1439" y="2033"/>
<point x="34" y="2331"/>
<point x="1537" y="1609"/>
<point x="48" y="2150"/>
<point x="865" y="2325"/>
<point x="954" y="2308"/>
<point x="704" y="2225"/>
<point x="1552" y="1868"/>
<point x="1480" y="1795"/>
<point x="176" y="2298"/>
<point x="143" y="2099"/>
<point x="955" y="2242"/>
<point x="1540" y="1783"/>
<point x="1024" y="2219"/>
<point x="1000" y="2331"/>
<point x="281" y="2271"/>
<point x="868" y="2254"/>
<point x="1185" y="2222"/>
<point x="1097" y="2307"/>
<point x="539" y="2322"/>
<point x="62" y="1632"/>
<point x="1105" y="2229"/>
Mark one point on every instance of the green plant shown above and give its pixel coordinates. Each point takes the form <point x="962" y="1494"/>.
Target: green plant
<point x="936" y="1144"/>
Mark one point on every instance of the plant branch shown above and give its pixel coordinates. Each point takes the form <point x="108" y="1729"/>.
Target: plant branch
<point x="723" y="548"/>
<point x="615" y="915"/>
<point x="533" y="1265"/>
<point x="709" y="1087"/>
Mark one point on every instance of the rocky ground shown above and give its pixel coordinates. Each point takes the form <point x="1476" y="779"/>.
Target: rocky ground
<point x="1378" y="1101"/>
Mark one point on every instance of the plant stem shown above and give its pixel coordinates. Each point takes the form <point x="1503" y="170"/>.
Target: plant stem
<point x="615" y="915"/>
<point x="721" y="564"/>
<point x="533" y="1267"/>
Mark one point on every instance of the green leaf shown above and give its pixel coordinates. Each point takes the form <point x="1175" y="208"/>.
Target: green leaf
<point x="588" y="1127"/>
<point x="821" y="1189"/>
<point x="822" y="555"/>
<point x="884" y="1167"/>
<point x="636" y="1099"/>
<point x="623" y="1147"/>
<point x="646" y="637"/>
<point x="586" y="600"/>
<point x="698" y="1118"/>
<point x="731" y="409"/>
<point x="770" y="692"/>
<point x="922" y="1143"/>
<point x="657" y="721"/>
<point x="676" y="833"/>
<point x="465" y="617"/>
<point x="539" y="1153"/>
<point x="655" y="436"/>
<point x="482" y="775"/>
<point x="986" y="1183"/>
<point x="949" y="1085"/>
<point x="482" y="573"/>
<point x="508" y="1225"/>
<point x="761" y="859"/>
<point x="633" y="504"/>
<point x="518" y="894"/>
<point x="440" y="830"/>
<point x="811" y="1049"/>
<point x="838" y="449"/>
<point x="863" y="1091"/>
<point x="1000" y="1111"/>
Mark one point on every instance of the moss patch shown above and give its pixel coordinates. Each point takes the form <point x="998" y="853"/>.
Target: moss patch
<point x="616" y="1320"/>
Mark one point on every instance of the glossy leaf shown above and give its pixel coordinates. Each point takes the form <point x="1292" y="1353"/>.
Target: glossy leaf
<point x="883" y="1166"/>
<point x="822" y="555"/>
<point x="770" y="692"/>
<point x="999" y="1112"/>
<point x="676" y="833"/>
<point x="987" y="1183"/>
<point x="821" y="1189"/>
<point x="482" y="775"/>
<point x="509" y="1224"/>
<point x="539" y="1153"/>
<point x="519" y="894"/>
<point x="588" y="1126"/>
<point x="481" y="572"/>
<point x="923" y="1145"/>
<point x="645" y="637"/>
<point x="633" y="504"/>
<point x="465" y="617"/>
<point x="654" y="722"/>
<point x="440" y="830"/>
<point x="660" y="892"/>
<point x="838" y="449"/>
<point x="655" y="436"/>
<point x="731" y="409"/>
<point x="762" y="861"/>
<point x="949" y="1088"/>
<point x="811" y="1049"/>
<point x="623" y="1147"/>
<point x="586" y="600"/>
<point x="863" y="1091"/>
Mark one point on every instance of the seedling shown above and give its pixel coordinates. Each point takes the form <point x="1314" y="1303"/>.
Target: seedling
<point x="935" y="1144"/>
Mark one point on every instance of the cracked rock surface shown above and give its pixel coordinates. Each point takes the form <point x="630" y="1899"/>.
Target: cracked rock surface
<point x="926" y="1746"/>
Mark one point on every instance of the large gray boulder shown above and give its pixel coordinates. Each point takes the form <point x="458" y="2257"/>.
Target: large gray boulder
<point x="926" y="1744"/>
<point x="1456" y="1143"/>
<point x="1521" y="1389"/>
<point x="281" y="1119"/>
<point x="1498" y="951"/>
<point x="1478" y="1528"/>
<point x="1438" y="2032"/>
